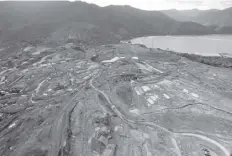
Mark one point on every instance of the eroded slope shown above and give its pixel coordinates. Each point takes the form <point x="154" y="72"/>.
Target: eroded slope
<point x="112" y="100"/>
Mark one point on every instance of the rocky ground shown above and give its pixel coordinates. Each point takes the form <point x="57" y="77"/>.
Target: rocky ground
<point x="112" y="100"/>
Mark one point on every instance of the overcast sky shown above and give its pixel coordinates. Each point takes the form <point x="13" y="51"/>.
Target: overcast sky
<point x="167" y="4"/>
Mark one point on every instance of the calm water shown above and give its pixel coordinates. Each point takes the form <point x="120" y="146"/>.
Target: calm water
<point x="209" y="45"/>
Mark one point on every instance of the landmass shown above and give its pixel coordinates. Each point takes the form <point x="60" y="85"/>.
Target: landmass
<point x="69" y="88"/>
<point x="112" y="100"/>
<point x="224" y="60"/>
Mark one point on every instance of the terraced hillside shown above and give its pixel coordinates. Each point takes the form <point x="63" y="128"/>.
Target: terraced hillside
<point x="112" y="100"/>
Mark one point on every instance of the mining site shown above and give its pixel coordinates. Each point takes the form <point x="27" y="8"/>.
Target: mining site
<point x="73" y="84"/>
<point x="112" y="100"/>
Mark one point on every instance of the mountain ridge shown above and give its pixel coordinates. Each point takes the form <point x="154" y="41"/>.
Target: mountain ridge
<point x="55" y="21"/>
<point x="204" y="17"/>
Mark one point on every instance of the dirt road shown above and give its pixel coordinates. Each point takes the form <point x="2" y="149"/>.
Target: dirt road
<point x="113" y="100"/>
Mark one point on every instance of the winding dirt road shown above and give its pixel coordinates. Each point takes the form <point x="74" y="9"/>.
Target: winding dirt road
<point x="119" y="100"/>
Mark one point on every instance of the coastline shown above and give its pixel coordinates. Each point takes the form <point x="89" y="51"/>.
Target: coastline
<point x="216" y="61"/>
<point x="223" y="59"/>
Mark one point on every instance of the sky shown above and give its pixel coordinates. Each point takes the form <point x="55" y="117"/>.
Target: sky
<point x="167" y="4"/>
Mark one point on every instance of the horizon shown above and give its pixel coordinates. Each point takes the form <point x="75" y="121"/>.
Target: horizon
<point x="157" y="5"/>
<point x="166" y="4"/>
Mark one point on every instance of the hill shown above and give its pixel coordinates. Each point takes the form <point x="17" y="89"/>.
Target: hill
<point x="37" y="22"/>
<point x="221" y="18"/>
<point x="182" y="15"/>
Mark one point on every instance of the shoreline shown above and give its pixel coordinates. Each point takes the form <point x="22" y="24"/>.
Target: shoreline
<point x="180" y="35"/>
<point x="216" y="61"/>
<point x="220" y="60"/>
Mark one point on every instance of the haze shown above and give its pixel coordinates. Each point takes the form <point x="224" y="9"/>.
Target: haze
<point x="167" y="4"/>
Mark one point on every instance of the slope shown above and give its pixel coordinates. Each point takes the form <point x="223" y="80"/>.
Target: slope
<point x="37" y="22"/>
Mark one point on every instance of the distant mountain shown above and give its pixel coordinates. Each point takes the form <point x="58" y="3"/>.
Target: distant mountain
<point x="62" y="21"/>
<point x="183" y="15"/>
<point x="139" y="23"/>
<point x="220" y="18"/>
<point x="224" y="30"/>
